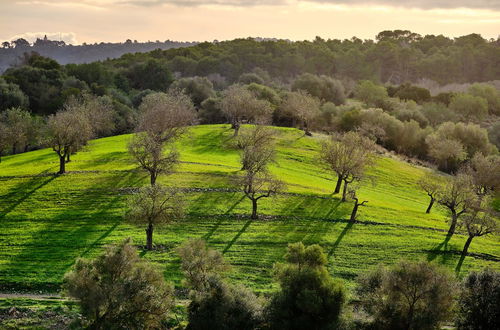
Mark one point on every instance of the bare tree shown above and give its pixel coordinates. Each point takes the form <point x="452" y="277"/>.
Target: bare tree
<point x="458" y="196"/>
<point x="240" y="105"/>
<point x="477" y="223"/>
<point x="303" y="107"/>
<point x="257" y="182"/>
<point x="163" y="118"/>
<point x="67" y="131"/>
<point x="348" y="157"/>
<point x="431" y="184"/>
<point x="154" y="205"/>
<point x="357" y="204"/>
<point x="485" y="172"/>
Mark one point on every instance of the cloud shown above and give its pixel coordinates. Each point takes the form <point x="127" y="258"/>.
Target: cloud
<point x="67" y="37"/>
<point x="419" y="4"/>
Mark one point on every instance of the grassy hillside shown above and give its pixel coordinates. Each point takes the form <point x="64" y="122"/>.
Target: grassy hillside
<point x="47" y="221"/>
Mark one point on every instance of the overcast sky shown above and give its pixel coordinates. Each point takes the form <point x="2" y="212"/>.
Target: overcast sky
<point x="78" y="21"/>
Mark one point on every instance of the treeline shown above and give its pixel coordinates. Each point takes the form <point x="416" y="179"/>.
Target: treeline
<point x="118" y="290"/>
<point x="12" y="51"/>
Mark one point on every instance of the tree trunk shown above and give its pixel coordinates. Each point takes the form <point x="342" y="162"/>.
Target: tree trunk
<point x="344" y="192"/>
<point x="454" y="218"/>
<point x="67" y="157"/>
<point x="339" y="183"/>
<point x="354" y="211"/>
<point x="149" y="237"/>
<point x="236" y="127"/>
<point x="62" y="164"/>
<point x="466" y="246"/>
<point x="153" y="178"/>
<point x="14" y="148"/>
<point x="254" y="209"/>
<point x="430" y="206"/>
<point x="26" y="147"/>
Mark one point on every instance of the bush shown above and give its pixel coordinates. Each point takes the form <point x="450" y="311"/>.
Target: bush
<point x="371" y="94"/>
<point x="469" y="107"/>
<point x="478" y="305"/>
<point x="409" y="295"/>
<point x="119" y="291"/>
<point x="309" y="298"/>
<point x="324" y="88"/>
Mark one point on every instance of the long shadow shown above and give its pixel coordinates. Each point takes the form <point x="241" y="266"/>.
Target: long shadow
<point x="24" y="191"/>
<point x="217" y="224"/>
<point x="341" y="236"/>
<point x="460" y="263"/>
<point x="235" y="238"/>
<point x="436" y="251"/>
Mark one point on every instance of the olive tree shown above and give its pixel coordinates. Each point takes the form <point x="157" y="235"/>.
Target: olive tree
<point x="117" y="290"/>
<point x="431" y="184"/>
<point x="301" y="107"/>
<point x="162" y="119"/>
<point x="17" y="127"/>
<point x="240" y="105"/>
<point x="257" y="182"/>
<point x="485" y="173"/>
<point x="458" y="196"/>
<point x="153" y="206"/>
<point x="468" y="106"/>
<point x="347" y="156"/>
<point x="409" y="295"/>
<point x="4" y="143"/>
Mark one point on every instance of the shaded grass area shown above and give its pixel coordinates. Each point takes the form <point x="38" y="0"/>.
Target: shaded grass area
<point x="47" y="221"/>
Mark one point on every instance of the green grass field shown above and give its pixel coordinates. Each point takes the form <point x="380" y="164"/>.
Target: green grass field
<point x="47" y="221"/>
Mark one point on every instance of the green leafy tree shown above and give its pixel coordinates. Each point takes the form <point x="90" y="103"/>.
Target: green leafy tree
<point x="490" y="94"/>
<point x="309" y="298"/>
<point x="117" y="290"/>
<point x="409" y="295"/>
<point x="468" y="106"/>
<point x="371" y="94"/>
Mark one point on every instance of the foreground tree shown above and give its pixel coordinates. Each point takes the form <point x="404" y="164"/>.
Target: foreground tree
<point x="153" y="206"/>
<point x="479" y="300"/>
<point x="118" y="290"/>
<point x="240" y="105"/>
<point x="431" y="184"/>
<point x="257" y="182"/>
<point x="407" y="296"/>
<point x="308" y="297"/>
<point x="347" y="157"/>
<point x="458" y="196"/>
<point x="477" y="223"/>
<point x="357" y="204"/>
<point x="162" y="119"/>
<point x="215" y="304"/>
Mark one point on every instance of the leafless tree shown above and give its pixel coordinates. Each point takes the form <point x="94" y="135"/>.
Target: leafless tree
<point x="458" y="197"/>
<point x="347" y="157"/>
<point x="303" y="107"/>
<point x="154" y="205"/>
<point x="240" y="105"/>
<point x="431" y="184"/>
<point x="67" y="131"/>
<point x="357" y="204"/>
<point x="477" y="222"/>
<point x="163" y="118"/>
<point x="257" y="182"/>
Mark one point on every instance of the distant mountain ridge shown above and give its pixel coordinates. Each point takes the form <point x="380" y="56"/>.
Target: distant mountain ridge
<point x="11" y="53"/>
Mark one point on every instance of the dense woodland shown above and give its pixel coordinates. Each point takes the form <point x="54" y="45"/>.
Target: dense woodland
<point x="431" y="100"/>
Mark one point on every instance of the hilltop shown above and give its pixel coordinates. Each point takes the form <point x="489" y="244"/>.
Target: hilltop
<point x="48" y="220"/>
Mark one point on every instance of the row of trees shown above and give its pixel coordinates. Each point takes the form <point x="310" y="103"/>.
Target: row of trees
<point x="119" y="290"/>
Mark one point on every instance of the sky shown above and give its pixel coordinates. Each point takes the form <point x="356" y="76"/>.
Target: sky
<point x="78" y="21"/>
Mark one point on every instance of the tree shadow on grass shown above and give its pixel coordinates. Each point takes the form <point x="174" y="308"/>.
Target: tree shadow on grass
<point x="442" y="249"/>
<point x="23" y="191"/>
<point x="235" y="238"/>
<point x="217" y="224"/>
<point x="340" y="237"/>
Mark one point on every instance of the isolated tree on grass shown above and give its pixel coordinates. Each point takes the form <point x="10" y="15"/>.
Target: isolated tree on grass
<point x="347" y="157"/>
<point x="118" y="290"/>
<point x="162" y="119"/>
<point x="309" y="298"/>
<point x="477" y="223"/>
<point x="67" y="131"/>
<point x="153" y="206"/>
<point x="409" y="295"/>
<point x="479" y="300"/>
<point x="458" y="196"/>
<point x="431" y="184"/>
<point x="301" y="107"/>
<point x="357" y="204"/>
<point x="18" y="123"/>
<point x="240" y="105"/>
<point x="257" y="182"/>
<point x="215" y="304"/>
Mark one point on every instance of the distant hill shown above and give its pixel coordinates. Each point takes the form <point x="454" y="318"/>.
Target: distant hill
<point x="11" y="53"/>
